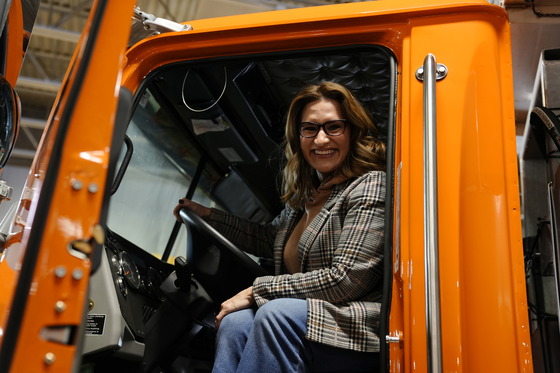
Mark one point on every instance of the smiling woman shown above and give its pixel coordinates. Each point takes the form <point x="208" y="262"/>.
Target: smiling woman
<point x="352" y="149"/>
<point x="325" y="151"/>
<point x="328" y="241"/>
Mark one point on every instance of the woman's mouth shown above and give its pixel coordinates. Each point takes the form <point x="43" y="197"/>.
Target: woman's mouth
<point x="324" y="152"/>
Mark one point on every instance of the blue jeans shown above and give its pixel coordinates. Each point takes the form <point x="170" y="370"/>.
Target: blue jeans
<point x="272" y="339"/>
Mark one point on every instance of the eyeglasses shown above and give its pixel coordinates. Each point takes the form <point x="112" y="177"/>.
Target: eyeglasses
<point x="331" y="128"/>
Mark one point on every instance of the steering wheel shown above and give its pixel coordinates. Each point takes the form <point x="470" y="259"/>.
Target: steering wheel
<point x="222" y="269"/>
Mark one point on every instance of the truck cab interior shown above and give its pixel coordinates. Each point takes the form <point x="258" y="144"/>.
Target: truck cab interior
<point x="211" y="131"/>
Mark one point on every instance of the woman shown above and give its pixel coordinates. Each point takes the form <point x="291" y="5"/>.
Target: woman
<point x="320" y="312"/>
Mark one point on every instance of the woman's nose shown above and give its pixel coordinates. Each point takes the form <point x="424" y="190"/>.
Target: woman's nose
<point x="321" y="137"/>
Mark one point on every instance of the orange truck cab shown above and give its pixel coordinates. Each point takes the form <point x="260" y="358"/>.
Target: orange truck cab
<point x="97" y="275"/>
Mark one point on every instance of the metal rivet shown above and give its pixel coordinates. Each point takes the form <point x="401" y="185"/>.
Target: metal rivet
<point x="91" y="304"/>
<point x="93" y="188"/>
<point x="60" y="306"/>
<point x="50" y="358"/>
<point x="60" y="271"/>
<point x="77" y="274"/>
<point x="77" y="185"/>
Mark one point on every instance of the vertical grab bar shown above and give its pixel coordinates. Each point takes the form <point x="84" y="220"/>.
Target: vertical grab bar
<point x="429" y="73"/>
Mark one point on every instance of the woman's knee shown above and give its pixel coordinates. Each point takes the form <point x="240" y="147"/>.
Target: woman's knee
<point x="281" y="312"/>
<point x="236" y="323"/>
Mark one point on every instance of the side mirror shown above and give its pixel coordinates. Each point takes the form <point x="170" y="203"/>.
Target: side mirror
<point x="9" y="119"/>
<point x="9" y="125"/>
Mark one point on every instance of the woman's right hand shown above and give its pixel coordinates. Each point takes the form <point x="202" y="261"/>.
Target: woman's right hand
<point x="202" y="211"/>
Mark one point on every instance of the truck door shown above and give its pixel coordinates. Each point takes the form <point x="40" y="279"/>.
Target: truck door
<point x="48" y="257"/>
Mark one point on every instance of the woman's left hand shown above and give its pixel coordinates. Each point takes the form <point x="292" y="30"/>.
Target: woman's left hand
<point x="243" y="299"/>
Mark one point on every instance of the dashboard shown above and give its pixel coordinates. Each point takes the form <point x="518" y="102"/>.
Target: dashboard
<point x="138" y="277"/>
<point x="137" y="310"/>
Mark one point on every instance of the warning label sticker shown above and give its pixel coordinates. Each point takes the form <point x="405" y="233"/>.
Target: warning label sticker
<point x="95" y="324"/>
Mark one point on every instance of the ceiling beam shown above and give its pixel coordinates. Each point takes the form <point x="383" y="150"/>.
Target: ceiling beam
<point x="32" y="123"/>
<point x="38" y="84"/>
<point x="23" y="153"/>
<point x="56" y="33"/>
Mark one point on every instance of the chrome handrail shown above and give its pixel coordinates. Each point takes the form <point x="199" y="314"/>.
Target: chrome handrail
<point x="429" y="73"/>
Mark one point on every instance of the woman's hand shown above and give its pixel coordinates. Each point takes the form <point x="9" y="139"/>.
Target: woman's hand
<point x="243" y="299"/>
<point x="202" y="211"/>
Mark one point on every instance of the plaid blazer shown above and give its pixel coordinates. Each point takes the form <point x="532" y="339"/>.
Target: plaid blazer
<point x="341" y="254"/>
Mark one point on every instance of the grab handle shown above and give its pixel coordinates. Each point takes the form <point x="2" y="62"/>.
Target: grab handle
<point x="429" y="73"/>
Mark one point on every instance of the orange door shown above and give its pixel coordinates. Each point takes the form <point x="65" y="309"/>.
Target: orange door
<point x="45" y="268"/>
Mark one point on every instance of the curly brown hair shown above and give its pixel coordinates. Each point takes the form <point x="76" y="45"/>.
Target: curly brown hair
<point x="367" y="153"/>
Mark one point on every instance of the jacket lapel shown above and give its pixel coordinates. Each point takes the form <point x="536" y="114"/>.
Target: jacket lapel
<point x="282" y="238"/>
<point x="310" y="234"/>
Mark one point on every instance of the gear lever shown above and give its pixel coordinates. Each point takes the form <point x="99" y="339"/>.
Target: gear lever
<point x="183" y="272"/>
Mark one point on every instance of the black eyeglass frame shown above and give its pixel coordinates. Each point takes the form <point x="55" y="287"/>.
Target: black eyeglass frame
<point x="323" y="126"/>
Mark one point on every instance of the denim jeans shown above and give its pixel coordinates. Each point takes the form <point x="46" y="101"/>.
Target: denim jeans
<point x="272" y="339"/>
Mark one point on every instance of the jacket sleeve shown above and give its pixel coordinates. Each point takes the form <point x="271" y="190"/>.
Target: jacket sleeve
<point x="254" y="238"/>
<point x="356" y="267"/>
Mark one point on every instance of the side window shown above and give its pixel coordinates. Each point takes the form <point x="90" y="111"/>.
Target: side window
<point x="160" y="171"/>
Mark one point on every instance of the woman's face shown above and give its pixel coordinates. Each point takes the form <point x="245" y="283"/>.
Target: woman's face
<point x="323" y="152"/>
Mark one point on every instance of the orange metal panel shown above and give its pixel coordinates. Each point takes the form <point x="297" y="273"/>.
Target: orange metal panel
<point x="484" y="324"/>
<point x="14" y="49"/>
<point x="59" y="287"/>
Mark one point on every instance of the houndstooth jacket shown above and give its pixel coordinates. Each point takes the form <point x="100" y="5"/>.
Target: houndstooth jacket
<point x="340" y="252"/>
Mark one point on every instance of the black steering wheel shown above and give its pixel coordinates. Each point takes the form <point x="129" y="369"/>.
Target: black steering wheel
<point x="223" y="268"/>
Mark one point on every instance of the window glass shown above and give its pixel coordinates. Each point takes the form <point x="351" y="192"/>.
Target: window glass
<point x="159" y="173"/>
